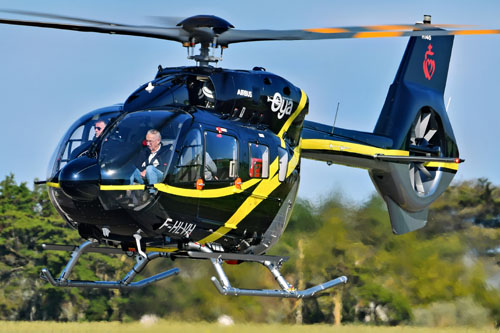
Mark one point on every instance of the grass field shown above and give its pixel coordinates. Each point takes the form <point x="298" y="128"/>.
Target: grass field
<point x="168" y="326"/>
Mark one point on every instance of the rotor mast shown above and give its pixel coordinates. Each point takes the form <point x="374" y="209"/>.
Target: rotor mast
<point x="204" y="30"/>
<point x="206" y="55"/>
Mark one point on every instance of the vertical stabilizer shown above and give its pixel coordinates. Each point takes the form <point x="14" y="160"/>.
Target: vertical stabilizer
<point x="414" y="117"/>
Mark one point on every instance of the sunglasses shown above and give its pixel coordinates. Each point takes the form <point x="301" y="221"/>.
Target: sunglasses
<point x="97" y="128"/>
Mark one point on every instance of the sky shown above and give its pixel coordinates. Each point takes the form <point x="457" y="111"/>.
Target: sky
<point x="49" y="78"/>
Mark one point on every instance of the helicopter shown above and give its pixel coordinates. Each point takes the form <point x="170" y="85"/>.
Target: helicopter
<point x="251" y="125"/>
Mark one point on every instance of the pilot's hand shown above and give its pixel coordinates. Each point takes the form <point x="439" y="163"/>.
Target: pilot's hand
<point x="143" y="173"/>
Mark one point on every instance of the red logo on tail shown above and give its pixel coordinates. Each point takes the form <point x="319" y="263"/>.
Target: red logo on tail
<point x="429" y="64"/>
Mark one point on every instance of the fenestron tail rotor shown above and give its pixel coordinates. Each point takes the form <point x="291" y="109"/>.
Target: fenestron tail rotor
<point x="425" y="140"/>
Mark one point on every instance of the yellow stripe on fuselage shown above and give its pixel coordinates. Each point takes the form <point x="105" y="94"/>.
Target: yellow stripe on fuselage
<point x="349" y="147"/>
<point x="185" y="192"/>
<point x="368" y="151"/>
<point x="261" y="192"/>
<point x="121" y="187"/>
<point x="288" y="122"/>
<point x="451" y="166"/>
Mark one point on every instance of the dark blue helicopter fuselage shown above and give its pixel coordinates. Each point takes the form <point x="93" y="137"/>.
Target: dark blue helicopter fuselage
<point x="249" y="122"/>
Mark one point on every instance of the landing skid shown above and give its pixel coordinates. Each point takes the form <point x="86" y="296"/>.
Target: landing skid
<point x="192" y="251"/>
<point x="125" y="283"/>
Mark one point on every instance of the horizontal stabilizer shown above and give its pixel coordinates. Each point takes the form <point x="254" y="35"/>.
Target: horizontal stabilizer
<point x="423" y="159"/>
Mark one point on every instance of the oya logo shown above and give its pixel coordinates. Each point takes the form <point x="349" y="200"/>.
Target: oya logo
<point x="429" y="63"/>
<point x="281" y="105"/>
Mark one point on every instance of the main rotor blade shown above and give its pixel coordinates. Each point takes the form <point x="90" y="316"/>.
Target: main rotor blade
<point x="57" y="17"/>
<point x="174" y="34"/>
<point x="238" y="36"/>
<point x="205" y="34"/>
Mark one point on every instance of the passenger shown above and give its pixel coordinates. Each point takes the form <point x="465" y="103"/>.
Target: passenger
<point x="210" y="168"/>
<point x="99" y="127"/>
<point x="151" y="163"/>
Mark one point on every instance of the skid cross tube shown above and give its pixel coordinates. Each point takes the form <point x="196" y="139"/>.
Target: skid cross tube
<point x="125" y="283"/>
<point x="224" y="286"/>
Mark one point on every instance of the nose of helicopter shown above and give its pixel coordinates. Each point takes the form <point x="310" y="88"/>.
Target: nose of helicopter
<point x="79" y="179"/>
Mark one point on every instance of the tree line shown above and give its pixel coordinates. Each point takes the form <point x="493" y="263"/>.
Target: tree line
<point x="447" y="273"/>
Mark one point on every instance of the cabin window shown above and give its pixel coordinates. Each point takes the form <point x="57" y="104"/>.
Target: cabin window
<point x="259" y="160"/>
<point x="283" y="164"/>
<point x="221" y="157"/>
<point x="188" y="168"/>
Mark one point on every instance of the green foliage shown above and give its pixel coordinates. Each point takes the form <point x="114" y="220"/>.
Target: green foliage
<point x="442" y="274"/>
<point x="27" y="220"/>
<point x="462" y="312"/>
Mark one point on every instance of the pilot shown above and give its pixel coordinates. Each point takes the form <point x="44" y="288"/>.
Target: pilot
<point x="99" y="127"/>
<point x="151" y="163"/>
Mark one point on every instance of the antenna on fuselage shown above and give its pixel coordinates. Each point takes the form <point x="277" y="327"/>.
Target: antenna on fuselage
<point x="335" y="120"/>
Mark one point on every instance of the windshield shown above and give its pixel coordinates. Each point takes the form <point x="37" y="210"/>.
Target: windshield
<point x="80" y="136"/>
<point x="141" y="140"/>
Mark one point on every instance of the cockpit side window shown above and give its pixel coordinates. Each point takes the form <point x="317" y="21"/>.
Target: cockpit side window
<point x="259" y="160"/>
<point x="221" y="157"/>
<point x="79" y="138"/>
<point x="188" y="167"/>
<point x="76" y="140"/>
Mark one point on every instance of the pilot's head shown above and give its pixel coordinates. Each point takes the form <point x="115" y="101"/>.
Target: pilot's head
<point x="153" y="139"/>
<point x="99" y="127"/>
